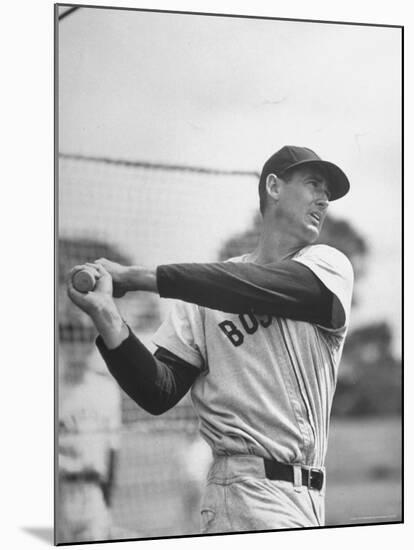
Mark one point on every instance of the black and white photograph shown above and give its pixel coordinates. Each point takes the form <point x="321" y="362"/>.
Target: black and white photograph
<point x="228" y="274"/>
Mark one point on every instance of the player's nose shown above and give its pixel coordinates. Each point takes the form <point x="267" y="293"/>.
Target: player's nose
<point x="323" y="194"/>
<point x="323" y="201"/>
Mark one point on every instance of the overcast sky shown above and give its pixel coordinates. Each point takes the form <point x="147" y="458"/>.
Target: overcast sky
<point x="226" y="93"/>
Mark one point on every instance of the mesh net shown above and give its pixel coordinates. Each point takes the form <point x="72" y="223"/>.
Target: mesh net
<point x="133" y="212"/>
<point x="154" y="213"/>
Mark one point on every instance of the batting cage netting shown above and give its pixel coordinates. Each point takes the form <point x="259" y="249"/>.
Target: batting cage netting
<point x="150" y="214"/>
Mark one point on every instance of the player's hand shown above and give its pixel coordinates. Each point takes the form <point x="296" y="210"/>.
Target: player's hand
<point x="119" y="274"/>
<point x="101" y="296"/>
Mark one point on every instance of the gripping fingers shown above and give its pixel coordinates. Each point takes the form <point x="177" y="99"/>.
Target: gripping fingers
<point x="95" y="269"/>
<point x="101" y="262"/>
<point x="101" y="270"/>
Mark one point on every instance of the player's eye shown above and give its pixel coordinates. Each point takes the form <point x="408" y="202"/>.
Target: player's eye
<point x="320" y="186"/>
<point x="313" y="183"/>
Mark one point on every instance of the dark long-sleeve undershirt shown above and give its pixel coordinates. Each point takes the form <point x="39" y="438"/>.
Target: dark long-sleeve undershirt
<point x="155" y="382"/>
<point x="286" y="289"/>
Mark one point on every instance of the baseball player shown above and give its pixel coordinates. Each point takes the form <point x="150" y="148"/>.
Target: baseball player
<point x="258" y="339"/>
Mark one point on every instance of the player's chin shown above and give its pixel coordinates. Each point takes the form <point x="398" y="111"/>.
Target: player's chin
<point x="312" y="232"/>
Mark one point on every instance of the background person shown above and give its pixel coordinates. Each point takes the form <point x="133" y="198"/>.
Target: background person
<point x="89" y="415"/>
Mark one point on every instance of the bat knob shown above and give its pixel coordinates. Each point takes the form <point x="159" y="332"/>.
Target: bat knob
<point x="84" y="280"/>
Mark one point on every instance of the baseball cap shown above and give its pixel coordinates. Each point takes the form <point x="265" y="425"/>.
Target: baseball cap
<point x="291" y="156"/>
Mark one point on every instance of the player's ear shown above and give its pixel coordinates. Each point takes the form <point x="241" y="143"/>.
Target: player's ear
<point x="273" y="185"/>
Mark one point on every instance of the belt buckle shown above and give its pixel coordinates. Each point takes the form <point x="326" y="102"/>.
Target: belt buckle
<point x="316" y="475"/>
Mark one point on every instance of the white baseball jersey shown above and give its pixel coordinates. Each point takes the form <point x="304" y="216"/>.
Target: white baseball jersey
<point x="89" y="424"/>
<point x="266" y="383"/>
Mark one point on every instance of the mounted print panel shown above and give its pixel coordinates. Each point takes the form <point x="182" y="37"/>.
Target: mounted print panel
<point x="197" y="395"/>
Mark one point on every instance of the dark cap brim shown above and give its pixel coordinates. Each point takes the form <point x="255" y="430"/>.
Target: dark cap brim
<point x="337" y="180"/>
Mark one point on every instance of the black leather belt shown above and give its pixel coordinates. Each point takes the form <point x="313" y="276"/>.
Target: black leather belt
<point x="313" y="478"/>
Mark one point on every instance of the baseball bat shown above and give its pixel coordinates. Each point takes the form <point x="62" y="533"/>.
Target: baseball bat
<point x="84" y="280"/>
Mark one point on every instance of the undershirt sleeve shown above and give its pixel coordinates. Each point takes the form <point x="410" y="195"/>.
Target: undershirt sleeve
<point x="335" y="271"/>
<point x="155" y="382"/>
<point x="286" y="289"/>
